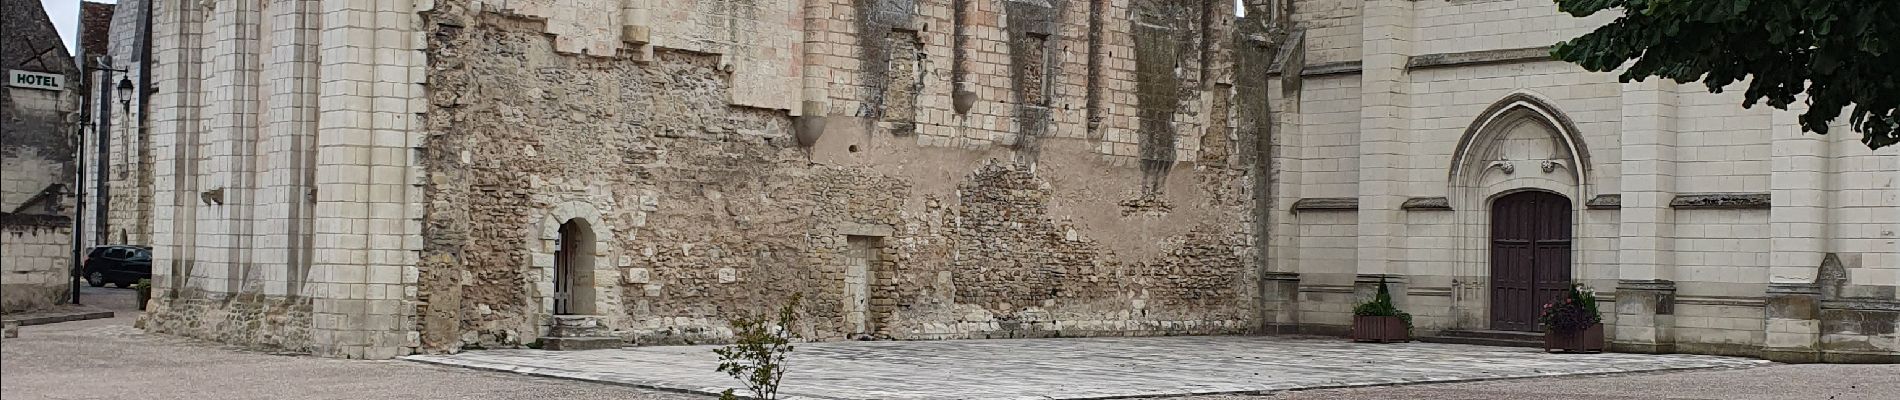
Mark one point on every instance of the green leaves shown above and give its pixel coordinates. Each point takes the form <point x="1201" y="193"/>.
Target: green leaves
<point x="1381" y="306"/>
<point x="757" y="355"/>
<point x="1836" y="53"/>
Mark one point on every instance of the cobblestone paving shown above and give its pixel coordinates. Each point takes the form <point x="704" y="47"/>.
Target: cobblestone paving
<point x="1077" y="368"/>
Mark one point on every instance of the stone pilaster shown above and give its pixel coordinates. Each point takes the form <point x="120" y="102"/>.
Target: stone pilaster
<point x="1793" y="323"/>
<point x="1645" y="292"/>
<point x="1645" y="316"/>
<point x="1384" y="112"/>
<point x="364" y="270"/>
<point x="1280" y="303"/>
<point x="1800" y="199"/>
<point x="1648" y="183"/>
<point x="1799" y="229"/>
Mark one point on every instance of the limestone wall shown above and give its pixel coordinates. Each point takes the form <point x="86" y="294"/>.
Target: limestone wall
<point x="1475" y="25"/>
<point x="130" y="150"/>
<point x="1332" y="28"/>
<point x="1015" y="217"/>
<point x="284" y="213"/>
<point x="1329" y="144"/>
<point x="37" y="255"/>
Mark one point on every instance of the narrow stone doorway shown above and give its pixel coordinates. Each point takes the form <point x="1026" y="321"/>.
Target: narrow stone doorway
<point x="858" y="277"/>
<point x="573" y="269"/>
<point x="1530" y="257"/>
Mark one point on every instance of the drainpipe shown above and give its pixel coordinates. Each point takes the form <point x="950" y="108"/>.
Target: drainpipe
<point x="102" y="134"/>
<point x="79" y="190"/>
<point x="144" y="82"/>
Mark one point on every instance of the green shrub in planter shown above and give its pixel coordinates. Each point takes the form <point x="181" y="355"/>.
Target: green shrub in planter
<point x="144" y="288"/>
<point x="1374" y="321"/>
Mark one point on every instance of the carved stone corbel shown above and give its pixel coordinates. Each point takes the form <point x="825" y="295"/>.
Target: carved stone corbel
<point x="1503" y="165"/>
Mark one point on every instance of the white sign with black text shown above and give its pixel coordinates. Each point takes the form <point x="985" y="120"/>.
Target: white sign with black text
<point x="35" y="80"/>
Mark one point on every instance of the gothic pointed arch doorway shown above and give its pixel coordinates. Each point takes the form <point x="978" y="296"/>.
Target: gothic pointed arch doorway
<point x="1530" y="256"/>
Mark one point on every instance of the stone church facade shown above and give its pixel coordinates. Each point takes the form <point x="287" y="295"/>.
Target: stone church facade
<point x="372" y="179"/>
<point x="1435" y="145"/>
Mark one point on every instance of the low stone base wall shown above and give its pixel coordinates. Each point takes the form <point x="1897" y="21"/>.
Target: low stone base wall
<point x="1840" y="329"/>
<point x="718" y="334"/>
<point x="33" y="296"/>
<point x="36" y="258"/>
<point x="259" y="322"/>
<point x="1860" y="332"/>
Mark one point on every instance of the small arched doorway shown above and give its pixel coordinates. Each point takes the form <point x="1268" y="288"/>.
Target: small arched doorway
<point x="1530" y="257"/>
<point x="574" y="269"/>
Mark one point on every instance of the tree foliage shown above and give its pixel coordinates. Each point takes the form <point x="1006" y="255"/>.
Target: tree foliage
<point x="1841" y="53"/>
<point x="757" y="354"/>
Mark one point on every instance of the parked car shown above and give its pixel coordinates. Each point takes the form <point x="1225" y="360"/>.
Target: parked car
<point x="120" y="265"/>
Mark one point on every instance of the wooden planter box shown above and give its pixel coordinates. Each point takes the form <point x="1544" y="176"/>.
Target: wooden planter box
<point x="1585" y="341"/>
<point x="1378" y="329"/>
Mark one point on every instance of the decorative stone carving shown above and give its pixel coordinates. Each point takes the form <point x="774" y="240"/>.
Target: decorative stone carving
<point x="1505" y="166"/>
<point x="1832" y="276"/>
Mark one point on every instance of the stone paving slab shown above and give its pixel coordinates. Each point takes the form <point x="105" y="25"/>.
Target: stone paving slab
<point x="1093" y="368"/>
<point x="56" y="314"/>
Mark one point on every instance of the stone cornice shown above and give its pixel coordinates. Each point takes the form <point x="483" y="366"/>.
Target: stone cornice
<point x="1325" y="289"/>
<point x="1861" y="304"/>
<point x="1499" y="56"/>
<point x="1720" y="201"/>
<point x="35" y="220"/>
<point x="1332" y="68"/>
<point x="1605" y="202"/>
<point x="1728" y="301"/>
<point x="1335" y="68"/>
<point x="1426" y="204"/>
<point x="1327" y="204"/>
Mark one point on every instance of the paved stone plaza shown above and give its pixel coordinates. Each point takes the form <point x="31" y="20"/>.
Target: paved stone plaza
<point x="1077" y="368"/>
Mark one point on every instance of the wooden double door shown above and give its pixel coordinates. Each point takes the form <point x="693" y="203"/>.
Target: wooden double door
<point x="1530" y="257"/>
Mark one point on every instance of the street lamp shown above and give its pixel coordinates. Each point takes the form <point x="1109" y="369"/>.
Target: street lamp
<point x="125" y="93"/>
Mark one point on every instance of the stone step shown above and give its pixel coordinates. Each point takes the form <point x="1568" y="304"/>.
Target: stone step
<point x="1488" y="338"/>
<point x="1493" y="334"/>
<point x="581" y="343"/>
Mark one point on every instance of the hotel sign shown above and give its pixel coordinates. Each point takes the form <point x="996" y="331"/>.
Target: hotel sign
<point x="35" y="80"/>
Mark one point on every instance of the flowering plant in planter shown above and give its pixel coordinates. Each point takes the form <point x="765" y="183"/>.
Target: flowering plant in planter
<point x="1574" y="313"/>
<point x="1381" y="321"/>
<point x="1573" y="323"/>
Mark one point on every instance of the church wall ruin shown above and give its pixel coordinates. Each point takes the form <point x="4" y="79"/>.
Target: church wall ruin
<point x="1012" y="217"/>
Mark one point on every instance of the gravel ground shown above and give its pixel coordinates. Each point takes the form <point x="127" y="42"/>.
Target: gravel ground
<point x="107" y="359"/>
<point x="1812" y="381"/>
